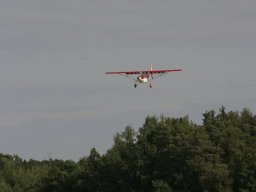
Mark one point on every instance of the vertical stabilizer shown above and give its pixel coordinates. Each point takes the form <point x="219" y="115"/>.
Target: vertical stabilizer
<point x="151" y="74"/>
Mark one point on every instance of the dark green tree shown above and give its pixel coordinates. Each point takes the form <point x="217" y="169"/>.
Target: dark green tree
<point x="180" y="153"/>
<point x="165" y="154"/>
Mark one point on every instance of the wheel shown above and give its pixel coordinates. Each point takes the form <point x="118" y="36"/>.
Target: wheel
<point x="150" y="85"/>
<point x="135" y="85"/>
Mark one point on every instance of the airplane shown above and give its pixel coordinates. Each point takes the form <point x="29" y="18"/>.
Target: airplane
<point x="143" y="76"/>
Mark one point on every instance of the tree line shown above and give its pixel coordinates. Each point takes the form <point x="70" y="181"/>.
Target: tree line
<point x="165" y="155"/>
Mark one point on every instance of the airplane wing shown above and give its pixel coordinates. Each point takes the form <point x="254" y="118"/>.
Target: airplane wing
<point x="129" y="74"/>
<point x="143" y="76"/>
<point x="162" y="71"/>
<point x="124" y="72"/>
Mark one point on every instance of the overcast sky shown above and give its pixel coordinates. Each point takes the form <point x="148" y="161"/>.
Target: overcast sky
<point x="54" y="53"/>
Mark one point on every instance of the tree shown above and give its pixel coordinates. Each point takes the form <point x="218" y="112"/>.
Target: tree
<point x="161" y="186"/>
<point x="165" y="154"/>
<point x="4" y="187"/>
<point x="233" y="133"/>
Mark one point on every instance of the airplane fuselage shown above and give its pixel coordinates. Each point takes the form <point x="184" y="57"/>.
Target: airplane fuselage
<point x="143" y="78"/>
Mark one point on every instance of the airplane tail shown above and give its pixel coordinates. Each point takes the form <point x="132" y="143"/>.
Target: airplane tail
<point x="151" y="68"/>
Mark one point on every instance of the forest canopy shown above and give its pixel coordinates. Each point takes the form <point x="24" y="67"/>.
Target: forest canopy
<point x="165" y="154"/>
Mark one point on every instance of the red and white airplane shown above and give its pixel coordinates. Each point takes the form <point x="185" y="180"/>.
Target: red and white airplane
<point x="144" y="76"/>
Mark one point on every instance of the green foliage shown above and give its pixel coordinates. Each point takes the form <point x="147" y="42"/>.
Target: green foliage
<point x="165" y="154"/>
<point x="4" y="187"/>
<point x="161" y="186"/>
<point x="18" y="175"/>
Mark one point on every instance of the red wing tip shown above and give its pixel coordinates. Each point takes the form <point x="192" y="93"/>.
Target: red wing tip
<point x="178" y="70"/>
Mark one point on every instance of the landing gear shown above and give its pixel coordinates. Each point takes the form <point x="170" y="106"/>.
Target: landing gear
<point x="135" y="85"/>
<point x="150" y="85"/>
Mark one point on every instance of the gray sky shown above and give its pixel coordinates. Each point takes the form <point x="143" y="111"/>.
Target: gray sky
<point x="53" y="55"/>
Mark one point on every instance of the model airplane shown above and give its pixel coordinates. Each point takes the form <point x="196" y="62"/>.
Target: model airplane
<point x="144" y="76"/>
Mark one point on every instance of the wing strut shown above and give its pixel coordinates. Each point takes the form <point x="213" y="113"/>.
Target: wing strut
<point x="127" y="76"/>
